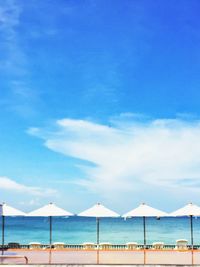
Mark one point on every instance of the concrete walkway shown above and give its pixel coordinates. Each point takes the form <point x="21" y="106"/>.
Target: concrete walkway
<point x="106" y="257"/>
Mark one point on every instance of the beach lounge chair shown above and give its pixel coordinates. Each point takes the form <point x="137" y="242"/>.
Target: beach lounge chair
<point x="34" y="245"/>
<point x="181" y="244"/>
<point x="158" y="245"/>
<point x="105" y="246"/>
<point x="131" y="245"/>
<point x="88" y="245"/>
<point x="58" y="245"/>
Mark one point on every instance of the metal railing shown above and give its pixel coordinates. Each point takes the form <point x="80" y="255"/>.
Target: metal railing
<point x="82" y="247"/>
<point x="14" y="257"/>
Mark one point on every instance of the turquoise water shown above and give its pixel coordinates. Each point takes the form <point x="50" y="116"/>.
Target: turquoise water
<point x="76" y="230"/>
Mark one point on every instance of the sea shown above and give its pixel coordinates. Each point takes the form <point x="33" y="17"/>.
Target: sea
<point x="76" y="230"/>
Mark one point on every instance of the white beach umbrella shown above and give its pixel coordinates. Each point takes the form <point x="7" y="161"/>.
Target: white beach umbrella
<point x="98" y="211"/>
<point x="144" y="211"/>
<point x="50" y="210"/>
<point x="6" y="210"/>
<point x="188" y="210"/>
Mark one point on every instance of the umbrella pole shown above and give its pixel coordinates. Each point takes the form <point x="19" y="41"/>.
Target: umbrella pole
<point x="3" y="228"/>
<point x="144" y="227"/>
<point x="50" y="237"/>
<point x="97" y="240"/>
<point x="192" y="239"/>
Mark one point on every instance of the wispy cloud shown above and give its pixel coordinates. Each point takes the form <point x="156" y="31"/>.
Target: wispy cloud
<point x="127" y="156"/>
<point x="13" y="186"/>
<point x="14" y="59"/>
<point x="14" y="65"/>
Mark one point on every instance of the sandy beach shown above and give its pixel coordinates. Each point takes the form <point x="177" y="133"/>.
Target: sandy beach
<point x="105" y="257"/>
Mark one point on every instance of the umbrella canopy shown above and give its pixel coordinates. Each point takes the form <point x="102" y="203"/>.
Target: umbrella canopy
<point x="49" y="210"/>
<point x="98" y="211"/>
<point x="144" y="210"/>
<point x="188" y="210"/>
<point x="7" y="210"/>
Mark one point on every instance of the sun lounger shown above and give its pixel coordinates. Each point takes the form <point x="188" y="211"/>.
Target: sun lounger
<point x="34" y="245"/>
<point x="181" y="244"/>
<point x="158" y="245"/>
<point x="105" y="246"/>
<point x="88" y="245"/>
<point x="132" y="245"/>
<point x="58" y="245"/>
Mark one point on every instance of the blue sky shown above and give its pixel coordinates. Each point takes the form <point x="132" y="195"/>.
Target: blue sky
<point x="100" y="101"/>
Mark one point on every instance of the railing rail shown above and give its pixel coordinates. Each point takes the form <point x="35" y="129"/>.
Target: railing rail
<point x="81" y="246"/>
<point x="14" y="257"/>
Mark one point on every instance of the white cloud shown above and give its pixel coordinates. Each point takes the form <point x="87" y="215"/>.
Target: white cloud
<point x="128" y="156"/>
<point x="11" y="185"/>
